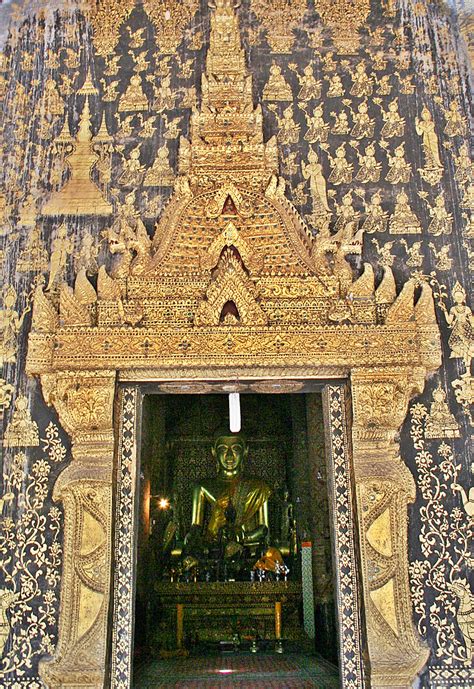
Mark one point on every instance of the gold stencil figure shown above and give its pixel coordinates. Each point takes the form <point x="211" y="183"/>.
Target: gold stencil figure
<point x="28" y="211"/>
<point x="399" y="170"/>
<point x="33" y="257"/>
<point x="415" y="257"/>
<point x="440" y="422"/>
<point x="277" y="88"/>
<point x="341" y="168"/>
<point x="62" y="247"/>
<point x="394" y="124"/>
<point x="172" y="128"/>
<point x="53" y="103"/>
<point x="347" y="221"/>
<point x="328" y="62"/>
<point x="442" y="222"/>
<point x="128" y="240"/>
<point x="465" y="612"/>
<point x="22" y="431"/>
<point x="362" y="83"/>
<point x="148" y="127"/>
<point x="363" y="124"/>
<point x="455" y="122"/>
<point x="10" y="324"/>
<point x="80" y="195"/>
<point x="112" y="65"/>
<point x="134" y="99"/>
<point x="461" y="321"/>
<point x="86" y="258"/>
<point x="464" y="168"/>
<point x="375" y="216"/>
<point x="313" y="171"/>
<point x="341" y="123"/>
<point x="160" y="174"/>
<point x="384" y="87"/>
<point x="132" y="169"/>
<point x="403" y="219"/>
<point x="443" y="261"/>
<point x="7" y="598"/>
<point x="164" y="97"/>
<point x="6" y="392"/>
<point x="310" y="87"/>
<point x="425" y="127"/>
<point x="288" y="129"/>
<point x="335" y="86"/>
<point x="317" y="128"/>
<point x="109" y="91"/>
<point x="386" y="258"/>
<point x="369" y="170"/>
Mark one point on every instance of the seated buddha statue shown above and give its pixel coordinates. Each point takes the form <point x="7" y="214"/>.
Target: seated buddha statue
<point x="238" y="514"/>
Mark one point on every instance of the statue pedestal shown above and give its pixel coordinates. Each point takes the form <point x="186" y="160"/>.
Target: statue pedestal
<point x="216" y="611"/>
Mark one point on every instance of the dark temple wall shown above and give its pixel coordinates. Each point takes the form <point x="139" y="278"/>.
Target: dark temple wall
<point x="415" y="207"/>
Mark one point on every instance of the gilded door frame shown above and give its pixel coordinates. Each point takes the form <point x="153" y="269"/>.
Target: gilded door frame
<point x="340" y="474"/>
<point x="383" y="486"/>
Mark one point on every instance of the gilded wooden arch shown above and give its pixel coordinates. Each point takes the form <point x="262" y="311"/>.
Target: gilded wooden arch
<point x="158" y="314"/>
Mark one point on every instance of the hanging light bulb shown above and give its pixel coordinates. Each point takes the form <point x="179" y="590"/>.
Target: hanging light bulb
<point x="234" y="412"/>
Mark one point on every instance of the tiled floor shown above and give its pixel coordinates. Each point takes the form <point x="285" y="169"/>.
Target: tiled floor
<point x="240" y="671"/>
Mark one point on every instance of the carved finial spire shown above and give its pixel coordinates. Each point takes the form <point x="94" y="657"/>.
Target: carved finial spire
<point x="227" y="81"/>
<point x="84" y="131"/>
<point x="227" y="132"/>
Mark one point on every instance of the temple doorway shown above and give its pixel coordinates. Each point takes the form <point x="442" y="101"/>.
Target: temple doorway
<point x="217" y="602"/>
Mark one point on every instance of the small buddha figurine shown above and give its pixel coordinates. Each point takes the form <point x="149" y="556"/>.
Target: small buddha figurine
<point x="277" y="88"/>
<point x="403" y="220"/>
<point x="440" y="422"/>
<point x="239" y="506"/>
<point x="134" y="98"/>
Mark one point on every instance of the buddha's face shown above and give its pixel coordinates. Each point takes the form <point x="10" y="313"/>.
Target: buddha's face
<point x="230" y="452"/>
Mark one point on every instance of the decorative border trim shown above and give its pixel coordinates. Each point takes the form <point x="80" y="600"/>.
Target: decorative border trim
<point x="442" y="677"/>
<point x="341" y="500"/>
<point x="340" y="472"/>
<point x="124" y="555"/>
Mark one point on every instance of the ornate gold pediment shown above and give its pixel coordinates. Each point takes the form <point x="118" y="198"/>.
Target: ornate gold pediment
<point x="232" y="269"/>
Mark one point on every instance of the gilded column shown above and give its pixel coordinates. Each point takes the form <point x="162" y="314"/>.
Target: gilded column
<point x="84" y="402"/>
<point x="384" y="489"/>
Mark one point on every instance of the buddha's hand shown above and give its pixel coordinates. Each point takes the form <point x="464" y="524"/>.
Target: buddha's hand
<point x="223" y="502"/>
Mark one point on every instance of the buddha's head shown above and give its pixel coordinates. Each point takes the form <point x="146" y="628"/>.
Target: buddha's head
<point x="230" y="451"/>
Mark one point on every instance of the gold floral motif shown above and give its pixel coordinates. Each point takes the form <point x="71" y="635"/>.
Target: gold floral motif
<point x="106" y="17"/>
<point x="170" y="20"/>
<point x="34" y="531"/>
<point x="344" y="20"/>
<point x="444" y="538"/>
<point x="279" y="18"/>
